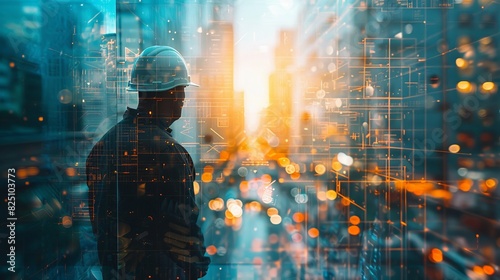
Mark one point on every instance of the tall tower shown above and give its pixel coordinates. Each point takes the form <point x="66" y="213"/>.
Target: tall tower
<point x="277" y="117"/>
<point x="215" y="98"/>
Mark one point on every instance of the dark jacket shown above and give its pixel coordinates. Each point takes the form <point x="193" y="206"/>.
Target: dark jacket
<point x="142" y="203"/>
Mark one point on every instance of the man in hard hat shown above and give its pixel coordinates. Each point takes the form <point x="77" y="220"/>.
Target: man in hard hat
<point x="140" y="180"/>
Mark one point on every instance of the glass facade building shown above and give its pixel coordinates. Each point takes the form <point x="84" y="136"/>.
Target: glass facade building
<point x="375" y="157"/>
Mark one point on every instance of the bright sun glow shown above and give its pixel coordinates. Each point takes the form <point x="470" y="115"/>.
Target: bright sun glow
<point x="254" y="43"/>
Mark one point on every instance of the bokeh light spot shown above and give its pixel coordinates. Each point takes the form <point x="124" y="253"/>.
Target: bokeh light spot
<point x="454" y="148"/>
<point x="298" y="217"/>
<point x="355" y="220"/>
<point x="313" y="232"/>
<point x="353" y="230"/>
<point x="436" y="255"/>
<point x="331" y="194"/>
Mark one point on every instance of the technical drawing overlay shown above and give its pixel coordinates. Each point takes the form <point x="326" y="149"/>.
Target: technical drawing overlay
<point x="377" y="157"/>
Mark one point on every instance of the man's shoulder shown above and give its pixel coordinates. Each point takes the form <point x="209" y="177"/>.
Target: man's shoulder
<point x="113" y="135"/>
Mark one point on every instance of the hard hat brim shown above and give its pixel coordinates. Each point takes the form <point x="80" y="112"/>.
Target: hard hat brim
<point x="153" y="88"/>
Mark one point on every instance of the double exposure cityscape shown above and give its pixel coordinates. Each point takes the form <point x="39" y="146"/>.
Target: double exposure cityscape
<point x="354" y="139"/>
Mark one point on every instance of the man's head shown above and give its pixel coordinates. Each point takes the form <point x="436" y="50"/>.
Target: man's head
<point x="163" y="104"/>
<point x="160" y="75"/>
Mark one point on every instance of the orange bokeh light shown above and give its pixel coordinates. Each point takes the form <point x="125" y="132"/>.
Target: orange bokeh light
<point x="208" y="169"/>
<point x="488" y="269"/>
<point x="211" y="250"/>
<point x="465" y="184"/>
<point x="295" y="176"/>
<point x="345" y="201"/>
<point x="355" y="220"/>
<point x="206" y="177"/>
<point x="196" y="188"/>
<point x="298" y="217"/>
<point x="313" y="232"/>
<point x="244" y="186"/>
<point x="353" y="230"/>
<point x="331" y="194"/>
<point x="436" y="255"/>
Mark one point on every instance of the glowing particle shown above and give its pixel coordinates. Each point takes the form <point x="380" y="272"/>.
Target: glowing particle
<point x="275" y="219"/>
<point x="244" y="186"/>
<point x="229" y="216"/>
<point x="331" y="195"/>
<point x="465" y="184"/>
<point x="337" y="166"/>
<point x="369" y="90"/>
<point x="70" y="171"/>
<point x="488" y="87"/>
<point x="454" y="148"/>
<point x="232" y="201"/>
<point x="295" y="176"/>
<point x="208" y="169"/>
<point x="224" y="155"/>
<point x="283" y="162"/>
<point x="338" y="102"/>
<point x="33" y="171"/>
<point x="461" y="63"/>
<point x="235" y="210"/>
<point x="491" y="183"/>
<point x="298" y="217"/>
<point x="216" y="204"/>
<point x="211" y="250"/>
<point x="436" y="255"/>
<point x="21" y="173"/>
<point x="465" y="87"/>
<point x="376" y="180"/>
<point x="345" y="201"/>
<point x="320" y="169"/>
<point x="272" y="211"/>
<point x="67" y="222"/>
<point x="353" y="230"/>
<point x="313" y="232"/>
<point x="254" y="206"/>
<point x="345" y="159"/>
<point x="355" y="220"/>
<point x="206" y="177"/>
<point x="321" y="195"/>
<point x="488" y="269"/>
<point x="467" y="3"/>
<point x="196" y="188"/>
<point x="478" y="270"/>
<point x="266" y="178"/>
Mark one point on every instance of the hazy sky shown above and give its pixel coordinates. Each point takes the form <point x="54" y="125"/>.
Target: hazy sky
<point x="257" y="26"/>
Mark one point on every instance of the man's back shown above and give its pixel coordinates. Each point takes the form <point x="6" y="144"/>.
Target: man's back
<point x="141" y="193"/>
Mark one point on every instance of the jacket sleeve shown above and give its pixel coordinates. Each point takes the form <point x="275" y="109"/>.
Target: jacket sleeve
<point x="182" y="237"/>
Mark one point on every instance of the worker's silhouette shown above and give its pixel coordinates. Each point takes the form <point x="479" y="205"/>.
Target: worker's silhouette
<point x="140" y="181"/>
